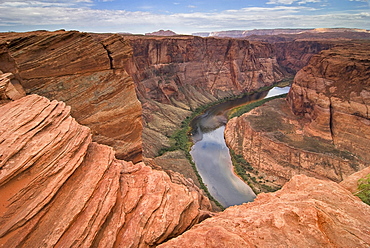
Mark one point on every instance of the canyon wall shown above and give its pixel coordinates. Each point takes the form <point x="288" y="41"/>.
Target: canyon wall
<point x="321" y="130"/>
<point x="333" y="94"/>
<point x="60" y="189"/>
<point x="178" y="74"/>
<point x="294" y="55"/>
<point x="85" y="73"/>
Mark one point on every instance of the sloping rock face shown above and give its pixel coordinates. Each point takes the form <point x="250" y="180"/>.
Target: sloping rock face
<point x="60" y="189"/>
<point x="85" y="73"/>
<point x="307" y="212"/>
<point x="178" y="74"/>
<point x="327" y="133"/>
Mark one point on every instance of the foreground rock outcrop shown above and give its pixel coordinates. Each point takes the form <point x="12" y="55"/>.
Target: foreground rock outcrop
<point x="87" y="74"/>
<point x="322" y="130"/>
<point x="60" y="189"/>
<point x="307" y="212"/>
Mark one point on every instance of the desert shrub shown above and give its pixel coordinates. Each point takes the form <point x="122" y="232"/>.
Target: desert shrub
<point x="364" y="189"/>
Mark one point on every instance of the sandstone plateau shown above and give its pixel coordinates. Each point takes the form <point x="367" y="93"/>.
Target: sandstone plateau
<point x="60" y="189"/>
<point x="321" y="130"/>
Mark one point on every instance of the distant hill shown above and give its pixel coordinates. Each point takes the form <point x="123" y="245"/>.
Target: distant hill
<point x="162" y="33"/>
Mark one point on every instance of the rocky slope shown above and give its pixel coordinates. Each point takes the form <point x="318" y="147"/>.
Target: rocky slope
<point x="322" y="130"/>
<point x="60" y="189"/>
<point x="307" y="212"/>
<point x="86" y="74"/>
<point x="178" y="74"/>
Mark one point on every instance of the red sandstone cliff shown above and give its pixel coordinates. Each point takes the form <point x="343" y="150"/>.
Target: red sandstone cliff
<point x="327" y="133"/>
<point x="85" y="73"/>
<point x="60" y="189"/>
<point x="333" y="94"/>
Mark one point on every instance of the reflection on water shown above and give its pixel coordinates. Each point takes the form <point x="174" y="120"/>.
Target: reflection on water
<point x="211" y="155"/>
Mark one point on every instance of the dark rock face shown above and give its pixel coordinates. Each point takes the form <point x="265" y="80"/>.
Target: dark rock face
<point x="294" y="55"/>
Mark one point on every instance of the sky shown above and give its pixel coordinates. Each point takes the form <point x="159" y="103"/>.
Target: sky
<point x="180" y="16"/>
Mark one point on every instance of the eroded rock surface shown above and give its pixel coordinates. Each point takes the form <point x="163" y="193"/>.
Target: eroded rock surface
<point x="60" y="189"/>
<point x="87" y="74"/>
<point x="322" y="130"/>
<point x="307" y="212"/>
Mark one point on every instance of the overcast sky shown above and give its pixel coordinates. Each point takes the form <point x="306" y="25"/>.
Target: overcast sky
<point x="181" y="16"/>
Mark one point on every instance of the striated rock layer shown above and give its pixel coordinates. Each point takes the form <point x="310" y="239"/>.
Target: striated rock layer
<point x="322" y="130"/>
<point x="85" y="73"/>
<point x="60" y="189"/>
<point x="307" y="212"/>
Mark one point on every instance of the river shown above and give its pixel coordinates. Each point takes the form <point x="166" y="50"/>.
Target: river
<point x="211" y="155"/>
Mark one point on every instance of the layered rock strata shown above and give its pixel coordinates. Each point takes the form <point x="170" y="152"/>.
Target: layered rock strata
<point x="333" y="94"/>
<point x="178" y="74"/>
<point x="60" y="189"/>
<point x="322" y="130"/>
<point x="85" y="73"/>
<point x="307" y="212"/>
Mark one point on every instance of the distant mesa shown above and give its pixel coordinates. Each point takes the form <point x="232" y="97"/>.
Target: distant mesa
<point x="278" y="31"/>
<point x="162" y="33"/>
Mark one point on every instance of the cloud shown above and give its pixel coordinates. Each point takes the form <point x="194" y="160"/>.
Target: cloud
<point x="74" y="15"/>
<point x="289" y="2"/>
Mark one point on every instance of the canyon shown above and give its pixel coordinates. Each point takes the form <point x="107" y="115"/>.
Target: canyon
<point x="321" y="129"/>
<point x="79" y="164"/>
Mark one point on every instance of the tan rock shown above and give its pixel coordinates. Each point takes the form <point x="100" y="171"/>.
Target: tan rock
<point x="60" y="189"/>
<point x="307" y="212"/>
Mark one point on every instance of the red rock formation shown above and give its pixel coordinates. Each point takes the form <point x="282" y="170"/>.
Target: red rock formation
<point x="333" y="94"/>
<point x="10" y="90"/>
<point x="60" y="189"/>
<point x="307" y="212"/>
<point x="85" y="73"/>
<point x="328" y="134"/>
